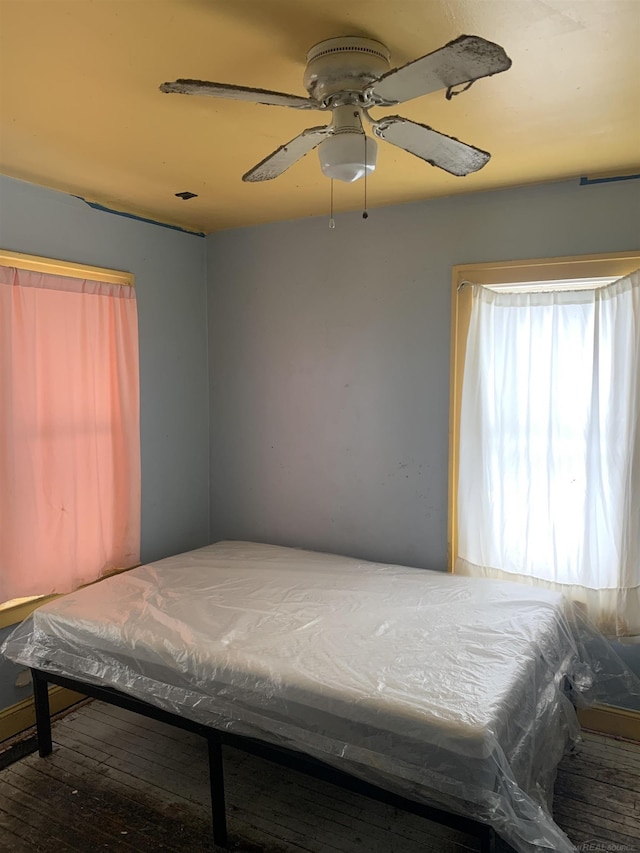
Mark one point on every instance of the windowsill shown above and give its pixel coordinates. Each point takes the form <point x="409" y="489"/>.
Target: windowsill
<point x="15" y="611"/>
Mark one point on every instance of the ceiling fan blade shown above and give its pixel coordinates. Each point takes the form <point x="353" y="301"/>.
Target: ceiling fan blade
<point x="278" y="162"/>
<point x="239" y="93"/>
<point x="463" y="60"/>
<point x="439" y="150"/>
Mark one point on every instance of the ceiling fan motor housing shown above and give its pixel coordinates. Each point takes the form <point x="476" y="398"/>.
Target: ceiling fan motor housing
<point x="348" y="64"/>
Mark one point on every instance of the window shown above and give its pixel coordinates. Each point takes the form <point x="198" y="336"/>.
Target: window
<point x="544" y="448"/>
<point x="69" y="426"/>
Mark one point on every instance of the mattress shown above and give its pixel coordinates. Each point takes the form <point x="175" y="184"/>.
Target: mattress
<point x="447" y="689"/>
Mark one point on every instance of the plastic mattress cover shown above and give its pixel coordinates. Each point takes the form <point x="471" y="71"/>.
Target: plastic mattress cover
<point x="454" y="691"/>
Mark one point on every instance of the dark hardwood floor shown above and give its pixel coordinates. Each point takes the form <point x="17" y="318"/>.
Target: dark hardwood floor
<point x="118" y="782"/>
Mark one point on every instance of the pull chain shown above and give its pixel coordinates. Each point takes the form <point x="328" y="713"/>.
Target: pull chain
<point x="365" y="215"/>
<point x="332" y="222"/>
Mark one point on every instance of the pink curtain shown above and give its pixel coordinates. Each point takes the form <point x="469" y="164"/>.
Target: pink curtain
<point x="69" y="432"/>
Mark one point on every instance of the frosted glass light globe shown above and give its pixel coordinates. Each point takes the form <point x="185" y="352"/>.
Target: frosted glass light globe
<point x="343" y="156"/>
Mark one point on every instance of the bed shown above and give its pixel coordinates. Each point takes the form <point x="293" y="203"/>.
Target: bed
<point x="446" y="695"/>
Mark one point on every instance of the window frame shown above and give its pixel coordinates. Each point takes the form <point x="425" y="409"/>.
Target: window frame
<point x="616" y="264"/>
<point x="15" y="610"/>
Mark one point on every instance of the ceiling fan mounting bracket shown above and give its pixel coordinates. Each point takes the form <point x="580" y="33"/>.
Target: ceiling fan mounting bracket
<point x="344" y="67"/>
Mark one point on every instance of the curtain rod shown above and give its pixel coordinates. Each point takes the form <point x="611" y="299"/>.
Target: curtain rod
<point x="560" y="285"/>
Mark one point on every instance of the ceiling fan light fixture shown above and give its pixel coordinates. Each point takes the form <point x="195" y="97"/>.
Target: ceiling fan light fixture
<point x="347" y="156"/>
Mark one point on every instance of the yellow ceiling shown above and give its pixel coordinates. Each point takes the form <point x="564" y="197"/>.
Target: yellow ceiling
<point x="80" y="108"/>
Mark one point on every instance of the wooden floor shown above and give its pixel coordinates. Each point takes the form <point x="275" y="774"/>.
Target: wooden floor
<point x="119" y="782"/>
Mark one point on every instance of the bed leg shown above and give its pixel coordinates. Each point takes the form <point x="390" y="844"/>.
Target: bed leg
<point x="43" y="717"/>
<point x="216" y="780"/>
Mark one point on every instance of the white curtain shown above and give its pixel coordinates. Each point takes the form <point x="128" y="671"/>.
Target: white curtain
<point x="549" y="475"/>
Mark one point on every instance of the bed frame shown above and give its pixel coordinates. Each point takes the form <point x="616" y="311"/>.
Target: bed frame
<point x="217" y="738"/>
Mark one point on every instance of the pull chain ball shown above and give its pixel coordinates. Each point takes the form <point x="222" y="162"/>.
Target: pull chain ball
<point x="365" y="215"/>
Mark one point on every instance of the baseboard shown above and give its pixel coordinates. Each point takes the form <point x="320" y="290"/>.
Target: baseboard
<point x="21" y="716"/>
<point x="607" y="720"/>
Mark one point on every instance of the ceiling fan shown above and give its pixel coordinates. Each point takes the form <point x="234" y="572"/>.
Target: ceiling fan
<point x="348" y="76"/>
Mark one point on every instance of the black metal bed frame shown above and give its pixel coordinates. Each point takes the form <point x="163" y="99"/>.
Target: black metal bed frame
<point x="216" y="738"/>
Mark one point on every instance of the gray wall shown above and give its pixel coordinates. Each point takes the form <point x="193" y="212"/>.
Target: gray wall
<point x="169" y="269"/>
<point x="329" y="360"/>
